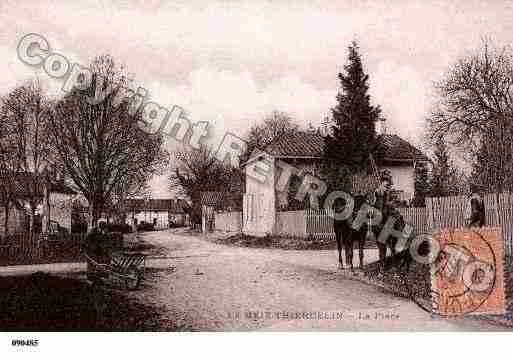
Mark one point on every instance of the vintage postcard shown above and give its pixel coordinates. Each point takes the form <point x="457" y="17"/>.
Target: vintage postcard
<point x="276" y="166"/>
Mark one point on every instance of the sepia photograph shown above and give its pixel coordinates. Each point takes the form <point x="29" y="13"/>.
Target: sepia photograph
<point x="255" y="166"/>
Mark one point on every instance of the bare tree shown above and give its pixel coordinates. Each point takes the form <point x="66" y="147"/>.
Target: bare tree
<point x="446" y="179"/>
<point x="199" y="171"/>
<point x="126" y="189"/>
<point x="475" y="109"/>
<point x="100" y="145"/>
<point x="9" y="166"/>
<point x="272" y="127"/>
<point x="26" y="109"/>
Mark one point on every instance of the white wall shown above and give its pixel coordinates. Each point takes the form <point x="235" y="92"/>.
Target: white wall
<point x="403" y="178"/>
<point x="259" y="209"/>
<point x="177" y="219"/>
<point x="291" y="223"/>
<point x="228" y="221"/>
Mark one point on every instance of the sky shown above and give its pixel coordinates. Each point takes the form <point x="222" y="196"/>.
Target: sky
<point x="231" y="62"/>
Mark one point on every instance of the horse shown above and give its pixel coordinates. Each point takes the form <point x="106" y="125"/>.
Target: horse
<point x="346" y="235"/>
<point x="387" y="211"/>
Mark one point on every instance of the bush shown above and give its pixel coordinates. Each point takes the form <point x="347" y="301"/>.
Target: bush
<point x="109" y="242"/>
<point x="79" y="228"/>
<point x="113" y="241"/>
<point x="61" y="236"/>
<point x="111" y="227"/>
<point x="144" y="226"/>
<point x="175" y="225"/>
<point x="118" y="227"/>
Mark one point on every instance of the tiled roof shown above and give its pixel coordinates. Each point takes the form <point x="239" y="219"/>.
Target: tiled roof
<point x="221" y="199"/>
<point x="303" y="144"/>
<point x="211" y="198"/>
<point x="154" y="204"/>
<point x="397" y="148"/>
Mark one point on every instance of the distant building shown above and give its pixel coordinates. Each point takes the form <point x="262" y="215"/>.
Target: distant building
<point x="303" y="151"/>
<point x="222" y="201"/>
<point x="163" y="213"/>
<point x="212" y="202"/>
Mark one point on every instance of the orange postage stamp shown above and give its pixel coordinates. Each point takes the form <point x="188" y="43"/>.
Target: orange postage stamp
<point x="468" y="275"/>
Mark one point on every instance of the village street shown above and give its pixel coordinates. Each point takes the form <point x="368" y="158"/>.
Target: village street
<point x="214" y="287"/>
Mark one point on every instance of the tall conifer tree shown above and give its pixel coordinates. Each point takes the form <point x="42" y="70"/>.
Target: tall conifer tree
<point x="353" y="126"/>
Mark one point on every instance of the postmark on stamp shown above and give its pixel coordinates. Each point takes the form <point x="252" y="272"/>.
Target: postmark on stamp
<point x="464" y="276"/>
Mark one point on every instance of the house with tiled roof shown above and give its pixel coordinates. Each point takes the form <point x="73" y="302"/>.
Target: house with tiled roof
<point x="56" y="208"/>
<point x="162" y="213"/>
<point x="267" y="173"/>
<point x="221" y="201"/>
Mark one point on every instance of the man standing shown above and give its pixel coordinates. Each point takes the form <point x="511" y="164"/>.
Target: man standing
<point x="475" y="213"/>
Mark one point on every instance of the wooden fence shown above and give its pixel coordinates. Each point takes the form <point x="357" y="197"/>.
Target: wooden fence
<point x="319" y="223"/>
<point x="449" y="212"/>
<point x="417" y="218"/>
<point x="291" y="223"/>
<point x="443" y="212"/>
<point x="19" y="249"/>
<point x="24" y="249"/>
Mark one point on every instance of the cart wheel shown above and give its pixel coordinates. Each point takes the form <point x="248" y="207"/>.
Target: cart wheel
<point x="134" y="280"/>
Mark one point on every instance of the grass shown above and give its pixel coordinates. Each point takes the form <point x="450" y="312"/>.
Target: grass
<point x="134" y="242"/>
<point x="414" y="282"/>
<point x="402" y="276"/>
<point x="290" y="243"/>
<point x="42" y="302"/>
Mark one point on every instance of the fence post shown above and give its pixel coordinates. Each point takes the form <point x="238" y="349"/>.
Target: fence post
<point x="203" y="219"/>
<point x="304" y="229"/>
<point x="509" y="239"/>
<point x="429" y="213"/>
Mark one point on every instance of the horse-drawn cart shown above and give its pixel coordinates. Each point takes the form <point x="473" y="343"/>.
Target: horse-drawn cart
<point x="126" y="267"/>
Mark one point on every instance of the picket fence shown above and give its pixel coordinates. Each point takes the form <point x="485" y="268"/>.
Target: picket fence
<point x="25" y="249"/>
<point x="417" y="218"/>
<point x="22" y="248"/>
<point x="19" y="248"/>
<point x="440" y="212"/>
<point x="310" y="223"/>
<point x="449" y="212"/>
<point x="319" y="223"/>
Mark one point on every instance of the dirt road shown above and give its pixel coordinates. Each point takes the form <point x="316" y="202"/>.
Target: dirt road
<point x="200" y="285"/>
